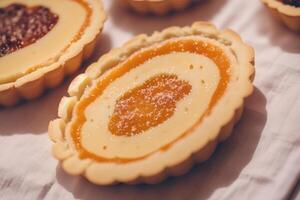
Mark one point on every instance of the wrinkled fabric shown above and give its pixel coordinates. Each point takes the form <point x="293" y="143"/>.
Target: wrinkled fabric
<point x="259" y="161"/>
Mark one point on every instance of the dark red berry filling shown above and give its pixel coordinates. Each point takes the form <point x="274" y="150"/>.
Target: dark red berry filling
<point x="21" y="25"/>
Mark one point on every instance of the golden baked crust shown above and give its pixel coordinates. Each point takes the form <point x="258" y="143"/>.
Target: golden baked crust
<point x="33" y="84"/>
<point x="162" y="164"/>
<point x="158" y="7"/>
<point x="288" y="14"/>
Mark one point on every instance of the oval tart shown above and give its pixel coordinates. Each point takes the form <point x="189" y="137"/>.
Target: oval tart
<point x="42" y="42"/>
<point x="155" y="106"/>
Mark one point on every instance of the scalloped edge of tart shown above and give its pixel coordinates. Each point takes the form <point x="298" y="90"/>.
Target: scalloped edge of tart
<point x="158" y="7"/>
<point x="180" y="164"/>
<point x="287" y="14"/>
<point x="34" y="84"/>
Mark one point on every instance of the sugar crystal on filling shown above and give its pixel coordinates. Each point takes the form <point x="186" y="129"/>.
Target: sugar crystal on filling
<point x="148" y="105"/>
<point x="21" y="26"/>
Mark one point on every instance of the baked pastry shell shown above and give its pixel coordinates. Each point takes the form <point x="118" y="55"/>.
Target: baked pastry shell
<point x="34" y="84"/>
<point x="287" y="14"/>
<point x="157" y="7"/>
<point x="180" y="164"/>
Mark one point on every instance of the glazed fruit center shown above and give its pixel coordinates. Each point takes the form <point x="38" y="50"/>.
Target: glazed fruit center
<point x="292" y="2"/>
<point x="21" y="26"/>
<point x="147" y="105"/>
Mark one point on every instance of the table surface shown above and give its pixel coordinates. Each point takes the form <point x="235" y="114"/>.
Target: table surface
<point x="260" y="161"/>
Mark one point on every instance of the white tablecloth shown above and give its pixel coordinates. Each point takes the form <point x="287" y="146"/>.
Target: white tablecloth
<point x="260" y="161"/>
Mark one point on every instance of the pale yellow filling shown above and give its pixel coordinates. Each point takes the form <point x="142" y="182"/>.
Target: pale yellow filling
<point x="203" y="76"/>
<point x="46" y="50"/>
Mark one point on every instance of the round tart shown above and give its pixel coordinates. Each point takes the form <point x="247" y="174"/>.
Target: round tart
<point x="42" y="41"/>
<point x="287" y="11"/>
<point x="158" y="7"/>
<point x="155" y="106"/>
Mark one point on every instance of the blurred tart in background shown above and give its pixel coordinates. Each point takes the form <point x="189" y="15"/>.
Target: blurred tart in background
<point x="43" y="41"/>
<point x="155" y="106"/>
<point x="158" y="7"/>
<point x="287" y="11"/>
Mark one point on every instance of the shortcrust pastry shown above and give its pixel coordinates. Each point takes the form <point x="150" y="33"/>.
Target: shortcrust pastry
<point x="155" y="106"/>
<point x="42" y="41"/>
<point x="287" y="11"/>
<point x="158" y="7"/>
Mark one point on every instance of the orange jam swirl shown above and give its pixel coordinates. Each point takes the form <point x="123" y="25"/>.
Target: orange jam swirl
<point x="215" y="53"/>
<point x="147" y="105"/>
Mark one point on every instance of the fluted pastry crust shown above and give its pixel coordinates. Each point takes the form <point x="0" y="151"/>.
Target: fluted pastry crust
<point x="158" y="7"/>
<point x="288" y="14"/>
<point x="161" y="164"/>
<point x="33" y="84"/>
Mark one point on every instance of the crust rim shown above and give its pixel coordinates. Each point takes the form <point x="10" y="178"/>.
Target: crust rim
<point x="287" y="14"/>
<point x="157" y="7"/>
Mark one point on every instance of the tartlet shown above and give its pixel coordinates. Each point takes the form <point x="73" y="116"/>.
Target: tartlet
<point x="287" y="13"/>
<point x="158" y="7"/>
<point x="155" y="106"/>
<point x="42" y="42"/>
